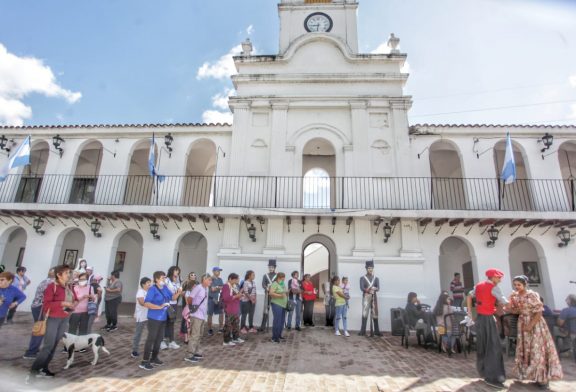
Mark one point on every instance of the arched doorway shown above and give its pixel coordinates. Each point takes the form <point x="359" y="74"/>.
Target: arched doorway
<point x="128" y="261"/>
<point x="140" y="184"/>
<point x="517" y="195"/>
<point x="13" y="242"/>
<point x="200" y="171"/>
<point x="32" y="175"/>
<point x="456" y="256"/>
<point x="526" y="257"/>
<point x="447" y="177"/>
<point x="192" y="254"/>
<point x="71" y="247"/>
<point x="567" y="161"/>
<point x="86" y="173"/>
<point x="319" y="172"/>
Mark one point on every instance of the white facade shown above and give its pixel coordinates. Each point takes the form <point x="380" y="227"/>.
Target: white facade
<point x="317" y="104"/>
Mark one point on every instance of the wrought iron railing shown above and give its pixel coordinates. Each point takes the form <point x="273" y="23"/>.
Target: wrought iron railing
<point x="374" y="193"/>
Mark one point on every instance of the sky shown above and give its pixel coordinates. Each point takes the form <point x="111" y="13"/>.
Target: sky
<point x="67" y="62"/>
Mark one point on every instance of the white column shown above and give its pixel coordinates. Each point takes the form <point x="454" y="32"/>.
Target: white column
<point x="362" y="238"/>
<point x="359" y="121"/>
<point x="274" y="236"/>
<point x="410" y="238"/>
<point x="231" y="236"/>
<point x="278" y="154"/>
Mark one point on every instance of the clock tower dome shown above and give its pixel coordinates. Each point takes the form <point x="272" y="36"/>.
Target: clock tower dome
<point x="299" y="17"/>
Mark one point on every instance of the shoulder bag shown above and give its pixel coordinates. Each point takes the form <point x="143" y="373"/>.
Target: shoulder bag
<point x="39" y="327"/>
<point x="92" y="305"/>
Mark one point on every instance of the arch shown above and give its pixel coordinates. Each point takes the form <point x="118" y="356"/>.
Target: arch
<point x="33" y="174"/>
<point x="87" y="169"/>
<point x="326" y="249"/>
<point x="192" y="253"/>
<point x="526" y="257"/>
<point x="332" y="134"/>
<point x="139" y="184"/>
<point x="447" y="176"/>
<point x="13" y="245"/>
<point x="518" y="195"/>
<point x="316" y="189"/>
<point x="69" y="247"/>
<point x="457" y="255"/>
<point x="200" y="170"/>
<point x="306" y="39"/>
<point x="567" y="161"/>
<point x="319" y="172"/>
<point x="126" y="257"/>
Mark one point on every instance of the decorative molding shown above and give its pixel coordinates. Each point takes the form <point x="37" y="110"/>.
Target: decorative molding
<point x="258" y="143"/>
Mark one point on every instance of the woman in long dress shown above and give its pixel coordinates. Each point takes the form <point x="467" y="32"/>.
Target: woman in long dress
<point x="536" y="356"/>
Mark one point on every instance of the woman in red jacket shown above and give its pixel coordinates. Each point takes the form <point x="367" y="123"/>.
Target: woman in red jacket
<point x="59" y="302"/>
<point x="308" y="298"/>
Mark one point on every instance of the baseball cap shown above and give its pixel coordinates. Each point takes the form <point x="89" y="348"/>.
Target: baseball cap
<point x="216" y="269"/>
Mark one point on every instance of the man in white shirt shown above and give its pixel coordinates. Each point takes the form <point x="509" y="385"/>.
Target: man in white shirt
<point x="140" y="314"/>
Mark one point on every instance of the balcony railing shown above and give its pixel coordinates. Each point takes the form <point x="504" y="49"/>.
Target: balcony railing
<point x="374" y="193"/>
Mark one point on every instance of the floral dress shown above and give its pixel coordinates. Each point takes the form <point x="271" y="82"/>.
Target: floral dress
<point x="536" y="356"/>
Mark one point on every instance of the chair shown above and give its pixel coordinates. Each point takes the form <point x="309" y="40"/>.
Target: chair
<point x="570" y="325"/>
<point x="400" y="325"/>
<point x="470" y="338"/>
<point x="511" y="320"/>
<point x="457" y="331"/>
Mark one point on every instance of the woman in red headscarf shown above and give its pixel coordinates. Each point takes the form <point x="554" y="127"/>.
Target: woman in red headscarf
<point x="489" y="360"/>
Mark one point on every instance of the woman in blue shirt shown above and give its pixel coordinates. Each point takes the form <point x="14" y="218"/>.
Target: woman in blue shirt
<point x="10" y="296"/>
<point x="157" y="301"/>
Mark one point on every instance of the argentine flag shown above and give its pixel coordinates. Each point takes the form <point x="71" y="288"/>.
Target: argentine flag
<point x="21" y="157"/>
<point x="509" y="168"/>
<point x="152" y="161"/>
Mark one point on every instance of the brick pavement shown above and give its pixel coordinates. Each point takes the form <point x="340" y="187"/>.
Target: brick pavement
<point x="311" y="360"/>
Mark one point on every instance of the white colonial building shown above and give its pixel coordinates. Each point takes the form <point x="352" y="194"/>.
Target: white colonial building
<point x="319" y="166"/>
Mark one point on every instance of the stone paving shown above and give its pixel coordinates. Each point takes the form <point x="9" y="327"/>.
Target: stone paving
<point x="311" y="360"/>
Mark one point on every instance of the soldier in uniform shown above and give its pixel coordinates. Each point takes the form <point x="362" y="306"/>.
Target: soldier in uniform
<point x="267" y="280"/>
<point x="369" y="285"/>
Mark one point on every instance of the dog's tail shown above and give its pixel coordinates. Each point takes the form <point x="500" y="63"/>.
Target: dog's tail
<point x="100" y="342"/>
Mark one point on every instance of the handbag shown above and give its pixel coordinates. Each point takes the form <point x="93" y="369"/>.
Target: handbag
<point x="194" y="308"/>
<point x="39" y="327"/>
<point x="171" y="312"/>
<point x="290" y="305"/>
<point x="92" y="306"/>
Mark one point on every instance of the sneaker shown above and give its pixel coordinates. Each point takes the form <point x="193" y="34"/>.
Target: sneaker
<point x="253" y="330"/>
<point x="199" y="356"/>
<point x="338" y="333"/>
<point x="114" y="328"/>
<point x="163" y="345"/>
<point x="238" y="340"/>
<point x="105" y="328"/>
<point x="192" y="359"/>
<point x="45" y="373"/>
<point x="282" y="338"/>
<point x="135" y="354"/>
<point x="210" y="332"/>
<point x="346" y="334"/>
<point x="156" y="362"/>
<point x="83" y="350"/>
<point x="174" y="345"/>
<point x="64" y="350"/>
<point x="298" y="329"/>
<point x="495" y="384"/>
<point x="145" y="365"/>
<point x="229" y="344"/>
<point x="244" y="331"/>
<point x="288" y="328"/>
<point x="220" y="330"/>
<point x="29" y="356"/>
<point x="275" y="341"/>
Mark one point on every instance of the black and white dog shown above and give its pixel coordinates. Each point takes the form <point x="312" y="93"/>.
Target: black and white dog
<point x="74" y="343"/>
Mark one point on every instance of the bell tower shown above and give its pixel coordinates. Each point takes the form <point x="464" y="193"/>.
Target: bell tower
<point x="299" y="17"/>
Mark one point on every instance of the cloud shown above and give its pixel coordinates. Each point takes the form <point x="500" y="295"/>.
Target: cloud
<point x="20" y="77"/>
<point x="250" y="30"/>
<point x="222" y="68"/>
<point x="572" y="115"/>
<point x="572" y="80"/>
<point x="220" y="101"/>
<point x="214" y="117"/>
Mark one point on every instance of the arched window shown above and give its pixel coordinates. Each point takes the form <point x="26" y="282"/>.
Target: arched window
<point x="447" y="178"/>
<point x="567" y="161"/>
<point x="316" y="188"/>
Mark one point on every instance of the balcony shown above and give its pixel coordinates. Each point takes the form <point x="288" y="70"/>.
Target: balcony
<point x="370" y="193"/>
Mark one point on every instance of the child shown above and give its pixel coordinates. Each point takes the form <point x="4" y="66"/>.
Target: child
<point x="346" y="289"/>
<point x="141" y="314"/>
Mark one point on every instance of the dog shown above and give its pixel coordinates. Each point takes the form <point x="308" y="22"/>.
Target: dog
<point x="75" y="342"/>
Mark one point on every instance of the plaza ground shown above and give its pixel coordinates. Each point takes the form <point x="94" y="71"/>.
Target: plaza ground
<point x="311" y="360"/>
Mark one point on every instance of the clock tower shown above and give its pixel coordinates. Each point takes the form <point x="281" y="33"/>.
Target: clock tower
<point x="299" y="17"/>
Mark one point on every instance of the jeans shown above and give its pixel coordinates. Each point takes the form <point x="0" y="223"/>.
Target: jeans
<point x="55" y="329"/>
<point x="11" y="313"/>
<point x="112" y="311"/>
<point x="138" y="335"/>
<point x="278" y="313"/>
<point x="341" y="312"/>
<point x="247" y="309"/>
<point x="457" y="302"/>
<point x="308" y="316"/>
<point x="78" y="324"/>
<point x="196" y="331"/>
<point x="297" y="310"/>
<point x="35" y="341"/>
<point x="154" y="338"/>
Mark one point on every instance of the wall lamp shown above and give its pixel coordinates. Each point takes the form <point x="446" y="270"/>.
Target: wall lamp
<point x="95" y="227"/>
<point x="154" y="229"/>
<point x="547" y="141"/>
<point x="493" y="235"/>
<point x="168" y="140"/>
<point x="4" y="143"/>
<point x="387" y="232"/>
<point x="56" y="142"/>
<point x="564" y="236"/>
<point x="252" y="232"/>
<point x="37" y="225"/>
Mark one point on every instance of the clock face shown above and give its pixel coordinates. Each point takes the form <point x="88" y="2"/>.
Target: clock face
<point x="318" y="22"/>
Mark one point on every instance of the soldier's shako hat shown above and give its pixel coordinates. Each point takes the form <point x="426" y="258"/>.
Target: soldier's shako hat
<point x="370" y="264"/>
<point x="271" y="263"/>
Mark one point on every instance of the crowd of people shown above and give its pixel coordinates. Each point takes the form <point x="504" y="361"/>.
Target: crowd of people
<point x="69" y="301"/>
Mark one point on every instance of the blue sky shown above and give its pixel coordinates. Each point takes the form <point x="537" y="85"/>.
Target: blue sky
<point x="139" y="61"/>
